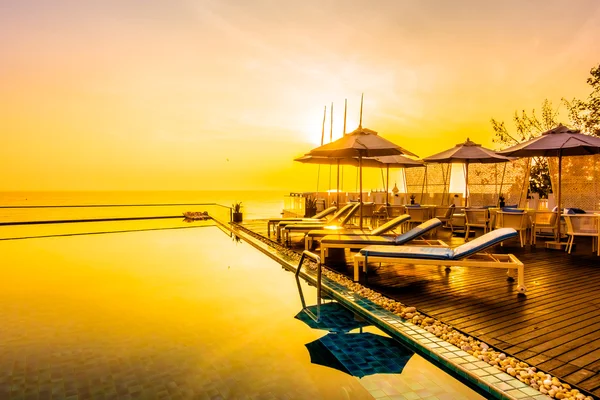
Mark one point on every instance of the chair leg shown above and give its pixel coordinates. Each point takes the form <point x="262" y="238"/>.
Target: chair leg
<point x="467" y="233"/>
<point x="521" y="237"/>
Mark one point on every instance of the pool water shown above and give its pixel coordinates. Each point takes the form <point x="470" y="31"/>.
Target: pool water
<point x="170" y="314"/>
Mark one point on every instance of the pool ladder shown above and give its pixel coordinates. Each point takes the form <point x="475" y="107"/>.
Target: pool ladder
<point x="307" y="254"/>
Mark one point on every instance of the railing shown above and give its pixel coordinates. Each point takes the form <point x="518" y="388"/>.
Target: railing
<point x="22" y="221"/>
<point x="307" y="254"/>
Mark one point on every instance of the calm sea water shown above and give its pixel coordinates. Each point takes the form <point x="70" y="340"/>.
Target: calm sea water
<point x="256" y="204"/>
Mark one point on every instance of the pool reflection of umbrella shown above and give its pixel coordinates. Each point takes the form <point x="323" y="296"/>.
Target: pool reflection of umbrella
<point x="332" y="317"/>
<point x="558" y="142"/>
<point x="360" y="143"/>
<point x="467" y="153"/>
<point x="359" y="354"/>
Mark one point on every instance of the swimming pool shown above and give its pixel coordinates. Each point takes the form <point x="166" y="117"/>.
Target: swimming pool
<point x="175" y="313"/>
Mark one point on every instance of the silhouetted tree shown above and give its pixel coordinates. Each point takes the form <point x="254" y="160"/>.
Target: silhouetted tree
<point x="528" y="126"/>
<point x="585" y="115"/>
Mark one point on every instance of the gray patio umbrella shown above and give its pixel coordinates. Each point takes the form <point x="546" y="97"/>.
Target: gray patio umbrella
<point x="558" y="142"/>
<point x="467" y="153"/>
<point x="360" y="143"/>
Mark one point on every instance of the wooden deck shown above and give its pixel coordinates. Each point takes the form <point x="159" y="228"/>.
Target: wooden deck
<point x="555" y="327"/>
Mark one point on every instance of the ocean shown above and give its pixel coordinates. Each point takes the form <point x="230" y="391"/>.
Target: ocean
<point x="76" y="204"/>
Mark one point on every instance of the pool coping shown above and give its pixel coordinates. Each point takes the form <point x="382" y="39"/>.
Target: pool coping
<point x="477" y="374"/>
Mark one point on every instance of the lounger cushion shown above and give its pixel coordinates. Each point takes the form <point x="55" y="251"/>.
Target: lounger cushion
<point x="441" y="253"/>
<point x="418" y="252"/>
<point x="483" y="242"/>
<point x="512" y="210"/>
<point x="418" y="231"/>
<point x="390" y="225"/>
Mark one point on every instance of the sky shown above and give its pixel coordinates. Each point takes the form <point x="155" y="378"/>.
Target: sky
<point x="224" y="94"/>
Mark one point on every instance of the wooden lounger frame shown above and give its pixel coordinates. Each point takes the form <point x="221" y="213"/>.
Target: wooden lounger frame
<point x="485" y="260"/>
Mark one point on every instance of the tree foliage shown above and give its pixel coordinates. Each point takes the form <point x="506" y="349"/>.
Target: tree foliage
<point x="528" y="126"/>
<point x="583" y="115"/>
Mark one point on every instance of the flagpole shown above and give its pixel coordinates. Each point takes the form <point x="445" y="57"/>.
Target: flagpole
<point x="361" y="108"/>
<point x="345" y="110"/>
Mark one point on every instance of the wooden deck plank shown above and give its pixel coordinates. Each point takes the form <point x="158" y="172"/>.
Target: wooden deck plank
<point x="555" y="327"/>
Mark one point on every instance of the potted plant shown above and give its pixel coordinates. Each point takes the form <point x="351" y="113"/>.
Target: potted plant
<point x="237" y="212"/>
<point x="412" y="199"/>
<point x="501" y="200"/>
<point x="310" y="207"/>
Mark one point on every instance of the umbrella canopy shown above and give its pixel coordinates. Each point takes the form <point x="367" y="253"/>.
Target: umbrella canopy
<point x="359" y="354"/>
<point x="467" y="152"/>
<point x="332" y="317"/>
<point x="360" y="143"/>
<point x="558" y="142"/>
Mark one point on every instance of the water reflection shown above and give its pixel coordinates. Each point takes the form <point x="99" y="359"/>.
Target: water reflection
<point x="359" y="354"/>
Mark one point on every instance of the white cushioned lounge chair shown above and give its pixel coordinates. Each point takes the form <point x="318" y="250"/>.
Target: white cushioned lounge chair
<point x="342" y="219"/>
<point x="318" y="234"/>
<point x="320" y="217"/>
<point x="333" y="220"/>
<point x="467" y="255"/>
<point x="360" y="241"/>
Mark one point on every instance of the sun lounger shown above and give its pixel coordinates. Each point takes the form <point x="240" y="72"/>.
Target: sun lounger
<point x="334" y="218"/>
<point x="342" y="220"/>
<point x="389" y="226"/>
<point x="466" y="255"/>
<point x="318" y="217"/>
<point x="360" y="241"/>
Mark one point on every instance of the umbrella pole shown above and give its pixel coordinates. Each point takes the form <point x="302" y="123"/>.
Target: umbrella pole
<point x="387" y="183"/>
<point x="559" y="209"/>
<point x="423" y="185"/>
<point x="360" y="221"/>
<point x="467" y="184"/>
<point x="501" y="183"/>
<point x="405" y="184"/>
<point x="338" y="184"/>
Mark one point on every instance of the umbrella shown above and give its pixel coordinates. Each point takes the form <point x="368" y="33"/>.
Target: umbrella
<point x="558" y="142"/>
<point x="395" y="161"/>
<point x="332" y="317"/>
<point x="467" y="152"/>
<point x="360" y="143"/>
<point x="359" y="354"/>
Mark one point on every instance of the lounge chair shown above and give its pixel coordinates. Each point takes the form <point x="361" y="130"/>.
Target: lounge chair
<point x="334" y="218"/>
<point x="466" y="255"/>
<point x="340" y="221"/>
<point x="360" y="241"/>
<point x="318" y="217"/>
<point x="389" y="226"/>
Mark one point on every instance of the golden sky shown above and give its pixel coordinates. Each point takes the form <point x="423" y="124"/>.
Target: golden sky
<point x="223" y="94"/>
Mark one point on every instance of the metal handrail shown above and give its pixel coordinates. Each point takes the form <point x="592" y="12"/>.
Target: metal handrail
<point x="317" y="259"/>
